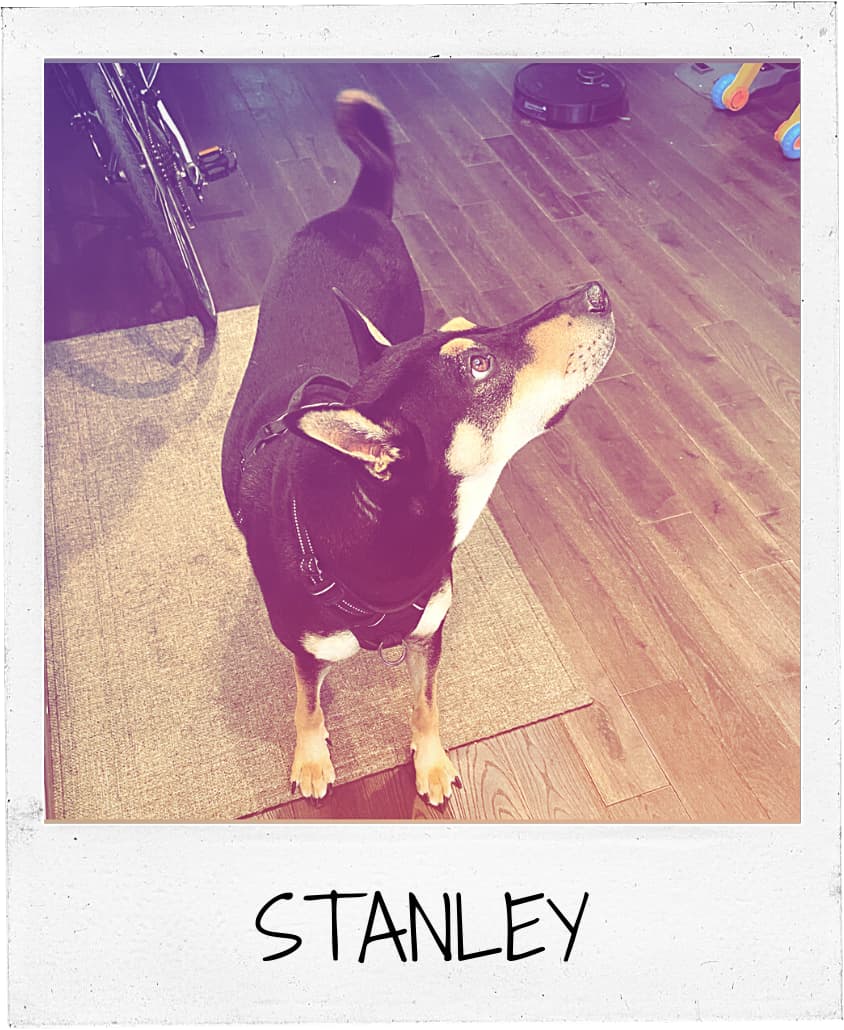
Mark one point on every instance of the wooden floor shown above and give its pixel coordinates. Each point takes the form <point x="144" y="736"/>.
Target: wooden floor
<point x="660" y="522"/>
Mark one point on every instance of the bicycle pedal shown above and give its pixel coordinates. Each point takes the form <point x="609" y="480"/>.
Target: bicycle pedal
<point x="216" y="162"/>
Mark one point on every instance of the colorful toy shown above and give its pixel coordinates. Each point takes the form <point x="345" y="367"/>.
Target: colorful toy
<point x="731" y="92"/>
<point x="788" y="135"/>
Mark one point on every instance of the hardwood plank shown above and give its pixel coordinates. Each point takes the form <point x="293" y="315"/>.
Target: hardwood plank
<point x="263" y="110"/>
<point x="658" y="806"/>
<point x="773" y="441"/>
<point x="737" y="462"/>
<point x="240" y="265"/>
<point x="726" y="207"/>
<point x="314" y="195"/>
<point x="527" y="264"/>
<point x="283" y="215"/>
<point x="606" y="599"/>
<point x="669" y="305"/>
<point x="784" y="526"/>
<point x="385" y="795"/>
<point x="719" y="677"/>
<point x="784" y="698"/>
<point x="514" y="778"/>
<point x="288" y="98"/>
<point x="670" y="253"/>
<point x="546" y="146"/>
<point x="533" y="177"/>
<point x="722" y="384"/>
<point x="733" y="465"/>
<point x="435" y="313"/>
<point x="619" y="164"/>
<point x="700" y="771"/>
<point x="611" y="747"/>
<point x="776" y="324"/>
<point x="658" y="262"/>
<point x="777" y="387"/>
<point x="478" y="260"/>
<point x="507" y="303"/>
<point x="561" y="263"/>
<point x="703" y="128"/>
<point x="744" y="626"/>
<point x="784" y="295"/>
<point x="462" y="138"/>
<point x="778" y="588"/>
<point x="321" y="82"/>
<point x="623" y="559"/>
<point x="751" y="130"/>
<point x="686" y="466"/>
<point x="649" y="495"/>
<point x="509" y="777"/>
<point x="442" y="270"/>
<point x="454" y="79"/>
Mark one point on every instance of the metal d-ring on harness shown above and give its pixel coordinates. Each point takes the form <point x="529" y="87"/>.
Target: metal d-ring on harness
<point x="376" y="629"/>
<point x="393" y="663"/>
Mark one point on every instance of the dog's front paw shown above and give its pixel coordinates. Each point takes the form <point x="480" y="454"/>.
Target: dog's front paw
<point x="312" y="769"/>
<point x="435" y="773"/>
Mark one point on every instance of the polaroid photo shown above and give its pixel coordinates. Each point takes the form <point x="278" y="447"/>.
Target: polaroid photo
<point x="418" y="463"/>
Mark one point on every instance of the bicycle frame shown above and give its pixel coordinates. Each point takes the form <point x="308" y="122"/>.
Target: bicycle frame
<point x="135" y="119"/>
<point x="137" y="142"/>
<point x="192" y="170"/>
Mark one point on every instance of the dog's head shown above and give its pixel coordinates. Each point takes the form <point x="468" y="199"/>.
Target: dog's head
<point x="463" y="399"/>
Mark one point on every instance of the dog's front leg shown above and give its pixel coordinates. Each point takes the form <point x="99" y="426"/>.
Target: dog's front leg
<point x="435" y="773"/>
<point x="312" y="769"/>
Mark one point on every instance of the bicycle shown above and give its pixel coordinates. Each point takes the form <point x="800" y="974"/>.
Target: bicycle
<point x="137" y="142"/>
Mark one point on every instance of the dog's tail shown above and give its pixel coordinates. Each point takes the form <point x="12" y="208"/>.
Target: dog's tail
<point x="362" y="123"/>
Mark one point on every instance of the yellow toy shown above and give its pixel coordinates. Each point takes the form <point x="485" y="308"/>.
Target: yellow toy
<point x="731" y="93"/>
<point x="788" y="135"/>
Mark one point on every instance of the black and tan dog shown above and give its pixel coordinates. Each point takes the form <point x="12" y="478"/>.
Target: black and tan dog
<point x="353" y="498"/>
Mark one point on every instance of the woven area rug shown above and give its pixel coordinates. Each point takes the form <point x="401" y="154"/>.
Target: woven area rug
<point x="168" y="697"/>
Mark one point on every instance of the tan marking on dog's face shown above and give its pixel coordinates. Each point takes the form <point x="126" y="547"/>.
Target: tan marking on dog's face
<point x="467" y="454"/>
<point x="569" y="343"/>
<point x="457" y="346"/>
<point x="458" y="325"/>
<point x="569" y="352"/>
<point x="469" y="457"/>
<point x="565" y="354"/>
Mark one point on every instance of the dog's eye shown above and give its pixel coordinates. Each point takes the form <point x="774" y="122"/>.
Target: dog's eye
<point x="480" y="365"/>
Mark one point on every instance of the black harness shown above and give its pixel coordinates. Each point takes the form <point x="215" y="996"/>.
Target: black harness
<point x="375" y="628"/>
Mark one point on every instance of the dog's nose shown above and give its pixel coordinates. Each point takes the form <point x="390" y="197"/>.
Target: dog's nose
<point x="597" y="299"/>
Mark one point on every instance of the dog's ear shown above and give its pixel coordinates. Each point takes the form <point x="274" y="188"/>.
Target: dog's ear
<point x="370" y="342"/>
<point x="349" y="431"/>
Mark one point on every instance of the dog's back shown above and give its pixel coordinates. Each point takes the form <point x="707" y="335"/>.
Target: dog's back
<point x="301" y="327"/>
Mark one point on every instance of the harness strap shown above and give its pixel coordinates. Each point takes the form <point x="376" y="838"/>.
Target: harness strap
<point x="278" y="426"/>
<point x="374" y="628"/>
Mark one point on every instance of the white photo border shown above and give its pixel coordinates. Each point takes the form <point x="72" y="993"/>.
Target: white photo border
<point x="156" y="923"/>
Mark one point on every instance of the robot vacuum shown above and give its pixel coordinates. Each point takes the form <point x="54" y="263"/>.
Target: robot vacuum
<point x="570" y="96"/>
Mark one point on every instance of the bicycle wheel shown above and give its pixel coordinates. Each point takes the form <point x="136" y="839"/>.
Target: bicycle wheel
<point x="155" y="195"/>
